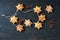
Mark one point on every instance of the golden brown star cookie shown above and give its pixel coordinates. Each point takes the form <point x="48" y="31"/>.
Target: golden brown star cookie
<point x="19" y="28"/>
<point x="28" y="23"/>
<point x="13" y="19"/>
<point x="20" y="7"/>
<point x="49" y="8"/>
<point x="38" y="25"/>
<point x="37" y="9"/>
<point x="42" y="18"/>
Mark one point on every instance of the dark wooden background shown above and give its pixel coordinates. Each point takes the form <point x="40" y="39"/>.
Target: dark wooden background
<point x="8" y="30"/>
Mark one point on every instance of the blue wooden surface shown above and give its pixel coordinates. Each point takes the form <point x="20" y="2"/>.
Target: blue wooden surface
<point x="9" y="32"/>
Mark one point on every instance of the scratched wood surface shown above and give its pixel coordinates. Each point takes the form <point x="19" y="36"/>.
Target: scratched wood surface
<point x="9" y="32"/>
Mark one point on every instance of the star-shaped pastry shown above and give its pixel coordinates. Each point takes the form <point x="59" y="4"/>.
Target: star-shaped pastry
<point x="42" y="18"/>
<point x="28" y="23"/>
<point x="19" y="28"/>
<point x="13" y="19"/>
<point x="37" y="9"/>
<point x="38" y="25"/>
<point x="49" y="8"/>
<point x="20" y="7"/>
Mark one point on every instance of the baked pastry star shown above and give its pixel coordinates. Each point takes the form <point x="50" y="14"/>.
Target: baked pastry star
<point x="38" y="25"/>
<point x="13" y="19"/>
<point x="19" y="28"/>
<point x="37" y="9"/>
<point x="28" y="22"/>
<point x="20" y="7"/>
<point x="49" y="8"/>
<point x="42" y="18"/>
